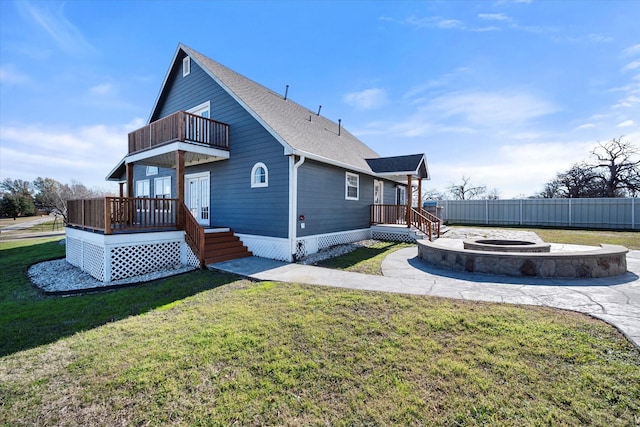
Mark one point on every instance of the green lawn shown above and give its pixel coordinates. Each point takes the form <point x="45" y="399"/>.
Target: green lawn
<point x="210" y="349"/>
<point x="367" y="260"/>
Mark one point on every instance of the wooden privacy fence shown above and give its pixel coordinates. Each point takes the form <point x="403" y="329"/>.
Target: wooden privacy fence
<point x="607" y="213"/>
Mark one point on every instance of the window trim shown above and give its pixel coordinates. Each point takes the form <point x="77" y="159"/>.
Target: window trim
<point x="347" y="186"/>
<point x="256" y="184"/>
<point x="186" y="66"/>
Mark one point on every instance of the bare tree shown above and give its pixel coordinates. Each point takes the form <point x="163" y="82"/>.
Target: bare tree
<point x="615" y="173"/>
<point x="53" y="195"/>
<point x="466" y="191"/>
<point x="617" y="167"/>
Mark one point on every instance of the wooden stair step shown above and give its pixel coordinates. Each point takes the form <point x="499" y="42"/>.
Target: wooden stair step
<point x="221" y="251"/>
<point x="227" y="257"/>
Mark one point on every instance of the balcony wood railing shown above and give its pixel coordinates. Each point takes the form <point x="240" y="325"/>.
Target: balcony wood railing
<point x="183" y="127"/>
<point x="123" y="214"/>
<point x="397" y="214"/>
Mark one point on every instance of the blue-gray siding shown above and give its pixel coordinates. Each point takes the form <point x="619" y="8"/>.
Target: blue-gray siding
<point x="140" y="173"/>
<point x="322" y="201"/>
<point x="260" y="211"/>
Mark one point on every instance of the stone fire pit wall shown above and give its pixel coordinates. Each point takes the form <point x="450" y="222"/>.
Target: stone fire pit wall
<point x="606" y="261"/>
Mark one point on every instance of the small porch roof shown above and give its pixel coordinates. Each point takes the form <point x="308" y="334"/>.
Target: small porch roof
<point x="398" y="167"/>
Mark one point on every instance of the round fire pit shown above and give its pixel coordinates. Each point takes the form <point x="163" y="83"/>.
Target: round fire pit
<point x="506" y="245"/>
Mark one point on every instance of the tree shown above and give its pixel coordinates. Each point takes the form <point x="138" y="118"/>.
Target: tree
<point x="614" y="173"/>
<point x="14" y="205"/>
<point x="616" y="167"/>
<point x="17" y="187"/>
<point x="17" y="199"/>
<point x="466" y="191"/>
<point x="52" y="195"/>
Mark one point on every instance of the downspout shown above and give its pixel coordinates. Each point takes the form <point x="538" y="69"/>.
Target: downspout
<point x="293" y="204"/>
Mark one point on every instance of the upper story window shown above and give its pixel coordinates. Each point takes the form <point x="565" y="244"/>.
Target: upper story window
<point x="352" y="186"/>
<point x="259" y="175"/>
<point x="186" y="66"/>
<point x="162" y="187"/>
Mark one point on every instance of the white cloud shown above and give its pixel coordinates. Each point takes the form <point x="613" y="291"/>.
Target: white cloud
<point x="488" y="109"/>
<point x="435" y="22"/>
<point x="631" y="66"/>
<point x="102" y="89"/>
<point x="586" y="126"/>
<point x="494" y="17"/>
<point x="85" y="154"/>
<point x="626" y="123"/>
<point x="367" y="99"/>
<point x="632" y="50"/>
<point x="51" y="18"/>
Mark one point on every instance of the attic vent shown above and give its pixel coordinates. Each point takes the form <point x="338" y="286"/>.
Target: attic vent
<point x="186" y="66"/>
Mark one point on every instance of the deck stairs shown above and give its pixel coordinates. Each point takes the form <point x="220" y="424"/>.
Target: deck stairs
<point x="221" y="244"/>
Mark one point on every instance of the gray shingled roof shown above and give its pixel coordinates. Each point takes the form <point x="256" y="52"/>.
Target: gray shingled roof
<point x="295" y="126"/>
<point x="414" y="164"/>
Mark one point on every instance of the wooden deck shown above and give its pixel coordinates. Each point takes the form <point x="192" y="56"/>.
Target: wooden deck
<point x="419" y="218"/>
<point x="123" y="214"/>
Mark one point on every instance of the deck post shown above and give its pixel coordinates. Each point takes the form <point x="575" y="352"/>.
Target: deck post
<point x="409" y="199"/>
<point x="180" y="187"/>
<point x="419" y="195"/>
<point x="107" y="215"/>
<point x="129" y="170"/>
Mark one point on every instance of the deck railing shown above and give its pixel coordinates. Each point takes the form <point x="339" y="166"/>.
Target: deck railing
<point x="180" y="126"/>
<point x="194" y="233"/>
<point x="123" y="214"/>
<point x="397" y="214"/>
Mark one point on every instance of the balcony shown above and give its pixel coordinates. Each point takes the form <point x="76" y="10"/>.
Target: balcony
<point x="180" y="127"/>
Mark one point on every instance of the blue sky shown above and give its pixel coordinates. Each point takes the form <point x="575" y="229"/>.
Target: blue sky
<point x="505" y="92"/>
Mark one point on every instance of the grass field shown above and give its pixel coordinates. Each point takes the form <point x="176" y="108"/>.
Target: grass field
<point x="210" y="349"/>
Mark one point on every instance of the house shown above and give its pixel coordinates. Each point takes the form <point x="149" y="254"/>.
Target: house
<point x="227" y="168"/>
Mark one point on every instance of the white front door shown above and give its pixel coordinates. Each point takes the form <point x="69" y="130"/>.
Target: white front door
<point x="197" y="196"/>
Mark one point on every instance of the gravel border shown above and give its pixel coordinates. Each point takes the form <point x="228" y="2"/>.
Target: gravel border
<point x="60" y="277"/>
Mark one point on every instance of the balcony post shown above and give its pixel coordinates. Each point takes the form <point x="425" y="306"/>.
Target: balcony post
<point x="409" y="199"/>
<point x="181" y="126"/>
<point x="419" y="195"/>
<point x="180" y="187"/>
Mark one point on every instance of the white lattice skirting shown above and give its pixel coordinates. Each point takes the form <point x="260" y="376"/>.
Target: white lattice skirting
<point x="116" y="257"/>
<point x="311" y="244"/>
<point x="279" y="249"/>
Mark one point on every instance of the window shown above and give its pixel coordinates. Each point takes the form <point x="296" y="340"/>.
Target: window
<point x="401" y="195"/>
<point x="162" y="187"/>
<point x="186" y="66"/>
<point x="352" y="185"/>
<point x="259" y="175"/>
<point x="142" y="188"/>
<point x="152" y="170"/>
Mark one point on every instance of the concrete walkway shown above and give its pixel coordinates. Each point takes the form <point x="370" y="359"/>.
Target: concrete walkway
<point x="615" y="300"/>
